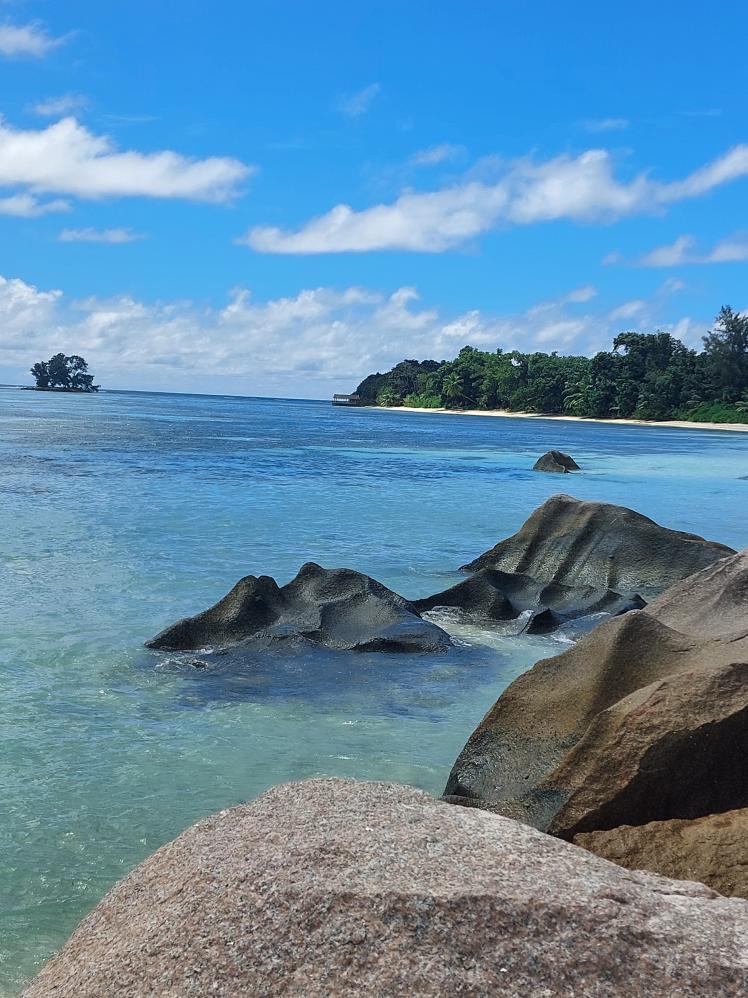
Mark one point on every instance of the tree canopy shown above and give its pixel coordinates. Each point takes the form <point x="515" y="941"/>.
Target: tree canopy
<point x="66" y="373"/>
<point x="645" y="376"/>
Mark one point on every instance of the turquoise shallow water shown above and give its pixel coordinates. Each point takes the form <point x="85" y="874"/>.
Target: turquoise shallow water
<point x="124" y="511"/>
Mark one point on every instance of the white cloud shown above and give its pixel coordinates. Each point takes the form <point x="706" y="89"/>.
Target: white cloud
<point x="436" y="154"/>
<point x="28" y="206"/>
<point x="54" y="107"/>
<point x="27" y="39"/>
<point x="67" y="158"/>
<point x="586" y="293"/>
<point x="576" y="188"/>
<point x="359" y="103"/>
<point x="607" y="124"/>
<point x="669" y="256"/>
<point x="308" y="344"/>
<point x="682" y="252"/>
<point x="89" y="235"/>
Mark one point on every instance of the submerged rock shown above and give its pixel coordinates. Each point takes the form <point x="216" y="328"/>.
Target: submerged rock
<point x="337" y="608"/>
<point x="711" y="849"/>
<point x="329" y="887"/>
<point x="577" y="542"/>
<point x="490" y="594"/>
<point x="556" y="461"/>
<point x="645" y="719"/>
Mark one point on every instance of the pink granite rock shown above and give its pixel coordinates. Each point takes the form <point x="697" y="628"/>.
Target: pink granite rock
<point x="336" y="888"/>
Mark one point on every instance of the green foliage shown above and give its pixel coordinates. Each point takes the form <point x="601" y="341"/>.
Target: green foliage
<point x="726" y="354"/>
<point x="405" y="378"/>
<point x="716" y="412"/>
<point x="388" y="397"/>
<point x="423" y="400"/>
<point x="650" y="376"/>
<point x="60" y="371"/>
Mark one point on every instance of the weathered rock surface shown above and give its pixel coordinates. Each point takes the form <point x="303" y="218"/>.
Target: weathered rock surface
<point x="332" y="888"/>
<point x="645" y="719"/>
<point x="575" y="542"/>
<point x="556" y="461"/>
<point x="712" y="850"/>
<point x="494" y="595"/>
<point x="337" y="608"/>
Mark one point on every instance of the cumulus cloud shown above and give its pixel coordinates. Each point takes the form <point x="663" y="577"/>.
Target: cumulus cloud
<point x="89" y="235"/>
<point x="436" y="154"/>
<point x="27" y="40"/>
<point x="354" y="105"/>
<point x="607" y="124"/>
<point x="67" y="158"/>
<point x="54" y="107"/>
<point x="28" y="206"/>
<point x="575" y="188"/>
<point x="308" y="344"/>
<point x="683" y="252"/>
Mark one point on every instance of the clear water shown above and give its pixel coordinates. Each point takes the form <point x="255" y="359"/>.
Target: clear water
<point x="122" y="512"/>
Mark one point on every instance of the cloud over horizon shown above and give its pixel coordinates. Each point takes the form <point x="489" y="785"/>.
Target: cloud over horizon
<point x="320" y="338"/>
<point x="579" y="188"/>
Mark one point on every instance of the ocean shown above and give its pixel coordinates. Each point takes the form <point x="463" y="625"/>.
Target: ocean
<point x="124" y="511"/>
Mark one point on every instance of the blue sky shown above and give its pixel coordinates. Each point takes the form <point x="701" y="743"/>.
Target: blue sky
<point x="280" y="197"/>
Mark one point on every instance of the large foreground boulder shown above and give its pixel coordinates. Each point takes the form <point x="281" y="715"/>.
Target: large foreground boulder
<point x="557" y="462"/>
<point x="490" y="594"/>
<point x="712" y="850"/>
<point x="645" y="719"/>
<point x="337" y="608"/>
<point x="575" y="542"/>
<point x="336" y="888"/>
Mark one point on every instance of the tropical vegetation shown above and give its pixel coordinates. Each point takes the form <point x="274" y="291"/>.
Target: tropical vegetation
<point x="650" y="376"/>
<point x="62" y="373"/>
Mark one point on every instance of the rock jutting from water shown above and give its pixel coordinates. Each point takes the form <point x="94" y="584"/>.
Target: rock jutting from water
<point x="644" y="720"/>
<point x="491" y="595"/>
<point x="576" y="542"/>
<point x="557" y="462"/>
<point x="330" y="887"/>
<point x="337" y="608"/>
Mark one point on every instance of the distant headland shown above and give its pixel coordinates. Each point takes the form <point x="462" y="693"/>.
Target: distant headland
<point x="647" y="377"/>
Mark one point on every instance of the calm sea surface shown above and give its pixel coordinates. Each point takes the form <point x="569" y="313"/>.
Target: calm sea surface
<point x="123" y="511"/>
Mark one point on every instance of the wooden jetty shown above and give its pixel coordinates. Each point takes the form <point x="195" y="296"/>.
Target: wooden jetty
<point x="346" y="400"/>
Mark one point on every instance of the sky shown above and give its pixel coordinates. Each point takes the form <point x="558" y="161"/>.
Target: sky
<point x="278" y="198"/>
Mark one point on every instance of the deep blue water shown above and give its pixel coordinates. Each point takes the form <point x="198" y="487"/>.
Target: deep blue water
<point x="124" y="511"/>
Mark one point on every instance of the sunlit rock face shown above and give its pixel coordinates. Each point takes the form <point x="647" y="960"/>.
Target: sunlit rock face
<point x="330" y="887"/>
<point x="644" y="720"/>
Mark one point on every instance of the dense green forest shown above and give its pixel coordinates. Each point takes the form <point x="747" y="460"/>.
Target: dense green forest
<point x="644" y="376"/>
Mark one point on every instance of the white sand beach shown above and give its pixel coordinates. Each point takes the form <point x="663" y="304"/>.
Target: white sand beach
<point x="680" y="424"/>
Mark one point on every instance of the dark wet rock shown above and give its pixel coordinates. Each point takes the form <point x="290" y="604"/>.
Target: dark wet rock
<point x="490" y="594"/>
<point x="575" y="542"/>
<point x="645" y="719"/>
<point x="712" y="849"/>
<point x="556" y="461"/>
<point x="330" y="888"/>
<point x="337" y="608"/>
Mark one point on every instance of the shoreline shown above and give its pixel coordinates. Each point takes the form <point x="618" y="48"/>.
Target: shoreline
<point x="678" y="424"/>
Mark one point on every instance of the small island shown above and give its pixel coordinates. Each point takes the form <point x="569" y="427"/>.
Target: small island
<point x="63" y="374"/>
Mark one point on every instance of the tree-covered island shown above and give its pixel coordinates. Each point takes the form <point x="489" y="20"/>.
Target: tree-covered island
<point x="649" y="376"/>
<point x="63" y="374"/>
